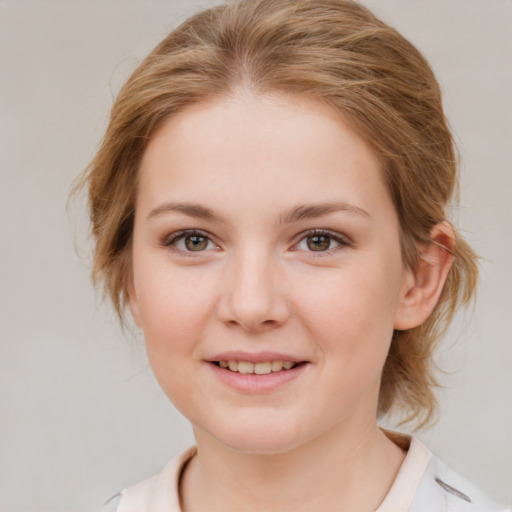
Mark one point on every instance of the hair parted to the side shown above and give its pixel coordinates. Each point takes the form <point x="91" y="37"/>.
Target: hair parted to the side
<point x="334" y="51"/>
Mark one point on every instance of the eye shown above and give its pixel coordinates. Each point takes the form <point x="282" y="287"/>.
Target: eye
<point x="318" y="240"/>
<point x="189" y="241"/>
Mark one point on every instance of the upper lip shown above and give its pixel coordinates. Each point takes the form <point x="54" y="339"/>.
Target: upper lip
<point x="253" y="357"/>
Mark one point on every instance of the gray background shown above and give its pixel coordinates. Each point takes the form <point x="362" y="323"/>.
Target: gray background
<point x="81" y="415"/>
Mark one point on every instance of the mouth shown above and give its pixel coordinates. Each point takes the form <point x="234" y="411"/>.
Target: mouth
<point x="261" y="368"/>
<point x="261" y="373"/>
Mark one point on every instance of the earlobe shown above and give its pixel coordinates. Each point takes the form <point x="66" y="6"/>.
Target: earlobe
<point x="423" y="286"/>
<point x="126" y="263"/>
<point x="133" y="303"/>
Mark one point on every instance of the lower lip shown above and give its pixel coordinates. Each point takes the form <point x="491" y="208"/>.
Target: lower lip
<point x="255" y="384"/>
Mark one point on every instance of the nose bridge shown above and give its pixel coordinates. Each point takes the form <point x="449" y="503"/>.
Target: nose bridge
<point x="254" y="297"/>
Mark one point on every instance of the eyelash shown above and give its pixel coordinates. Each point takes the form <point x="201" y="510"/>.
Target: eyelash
<point x="343" y="241"/>
<point x="339" y="238"/>
<point x="170" y="241"/>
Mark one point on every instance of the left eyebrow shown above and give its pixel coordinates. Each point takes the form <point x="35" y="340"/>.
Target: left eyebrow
<point x="312" y="211"/>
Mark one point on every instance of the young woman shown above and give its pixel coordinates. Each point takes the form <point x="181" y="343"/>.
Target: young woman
<point x="269" y="202"/>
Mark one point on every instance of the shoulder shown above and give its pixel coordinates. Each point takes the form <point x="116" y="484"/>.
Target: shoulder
<point x="426" y="484"/>
<point x="442" y="489"/>
<point x="158" y="493"/>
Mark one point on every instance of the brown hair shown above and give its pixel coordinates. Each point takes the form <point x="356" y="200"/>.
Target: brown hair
<point x="339" y="53"/>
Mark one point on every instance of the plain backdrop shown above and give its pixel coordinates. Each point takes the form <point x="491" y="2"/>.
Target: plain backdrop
<point x="81" y="414"/>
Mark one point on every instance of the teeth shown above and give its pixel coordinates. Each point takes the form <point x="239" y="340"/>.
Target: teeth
<point x="262" y="368"/>
<point x="276" y="366"/>
<point x="256" y="368"/>
<point x="244" y="367"/>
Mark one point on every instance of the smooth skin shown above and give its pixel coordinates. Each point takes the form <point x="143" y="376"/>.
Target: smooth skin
<point x="263" y="224"/>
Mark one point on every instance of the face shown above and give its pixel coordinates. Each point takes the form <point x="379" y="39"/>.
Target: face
<point x="265" y="240"/>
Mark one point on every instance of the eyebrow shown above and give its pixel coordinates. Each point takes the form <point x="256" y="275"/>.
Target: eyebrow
<point x="191" y="209"/>
<point x="311" y="211"/>
<point x="301" y="212"/>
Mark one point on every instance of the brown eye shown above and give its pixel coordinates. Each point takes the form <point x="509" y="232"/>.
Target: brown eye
<point x="196" y="242"/>
<point x="323" y="242"/>
<point x="189" y="241"/>
<point x="318" y="242"/>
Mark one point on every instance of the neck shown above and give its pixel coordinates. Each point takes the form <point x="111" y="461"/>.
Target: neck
<point x="333" y="472"/>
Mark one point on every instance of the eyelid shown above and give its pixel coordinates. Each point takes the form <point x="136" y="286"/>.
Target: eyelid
<point x="169" y="241"/>
<point x="341" y="238"/>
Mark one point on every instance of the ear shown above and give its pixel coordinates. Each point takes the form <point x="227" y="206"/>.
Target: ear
<point x="423" y="286"/>
<point x="133" y="302"/>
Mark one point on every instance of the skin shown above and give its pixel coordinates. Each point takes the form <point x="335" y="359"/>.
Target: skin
<point x="258" y="284"/>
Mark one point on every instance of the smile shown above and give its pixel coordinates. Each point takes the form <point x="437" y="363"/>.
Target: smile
<point x="263" y="368"/>
<point x="255" y="373"/>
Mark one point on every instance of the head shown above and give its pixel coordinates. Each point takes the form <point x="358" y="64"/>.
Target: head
<point x="337" y="55"/>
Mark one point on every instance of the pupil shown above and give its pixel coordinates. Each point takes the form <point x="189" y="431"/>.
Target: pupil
<point x="319" y="242"/>
<point x="196" y="243"/>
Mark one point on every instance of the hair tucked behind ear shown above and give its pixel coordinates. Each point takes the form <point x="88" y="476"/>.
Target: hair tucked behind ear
<point x="337" y="52"/>
<point x="408" y="380"/>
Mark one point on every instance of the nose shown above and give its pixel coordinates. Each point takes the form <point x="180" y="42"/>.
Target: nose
<point x="253" y="296"/>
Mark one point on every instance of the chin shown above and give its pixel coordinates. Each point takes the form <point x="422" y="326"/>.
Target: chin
<point x="260" y="445"/>
<point x="256" y="439"/>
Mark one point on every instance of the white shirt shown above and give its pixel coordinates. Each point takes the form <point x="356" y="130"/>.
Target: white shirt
<point x="423" y="484"/>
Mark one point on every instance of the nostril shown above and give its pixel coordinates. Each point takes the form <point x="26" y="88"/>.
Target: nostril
<point x="252" y="306"/>
<point x="253" y="326"/>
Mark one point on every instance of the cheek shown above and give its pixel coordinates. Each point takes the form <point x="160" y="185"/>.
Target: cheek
<point x="351" y="316"/>
<point x="173" y="308"/>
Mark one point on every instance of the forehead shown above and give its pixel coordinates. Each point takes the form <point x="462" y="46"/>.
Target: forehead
<point x="275" y="148"/>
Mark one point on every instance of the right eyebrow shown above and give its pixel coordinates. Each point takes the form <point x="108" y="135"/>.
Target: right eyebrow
<point x="191" y="209"/>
